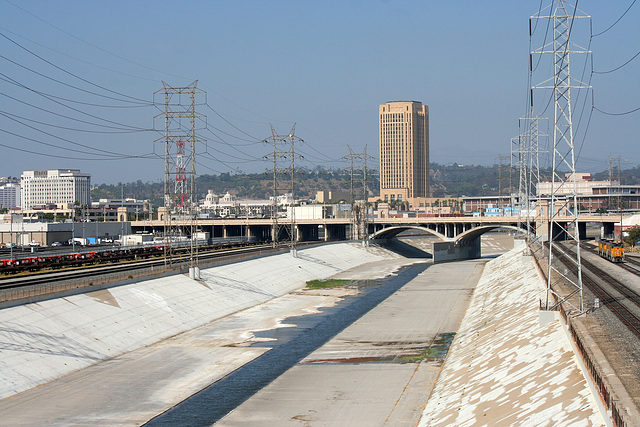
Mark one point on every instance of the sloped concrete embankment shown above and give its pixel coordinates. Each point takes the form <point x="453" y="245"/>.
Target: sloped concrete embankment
<point x="504" y="367"/>
<point x="42" y="341"/>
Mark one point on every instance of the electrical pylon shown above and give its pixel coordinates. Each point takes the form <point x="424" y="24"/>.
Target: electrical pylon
<point x="179" y="140"/>
<point x="563" y="209"/>
<point x="499" y="160"/>
<point x="532" y="137"/>
<point x="283" y="179"/>
<point x="359" y="225"/>
<point x="519" y="148"/>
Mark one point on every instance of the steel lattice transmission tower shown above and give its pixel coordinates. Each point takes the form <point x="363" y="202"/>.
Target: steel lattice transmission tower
<point x="359" y="225"/>
<point x="563" y="209"/>
<point x="179" y="146"/>
<point x="283" y="158"/>
<point x="532" y="137"/>
<point x="499" y="160"/>
<point x="179" y="139"/>
<point x="519" y="148"/>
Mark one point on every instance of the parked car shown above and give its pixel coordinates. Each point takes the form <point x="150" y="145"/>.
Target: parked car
<point x="56" y="244"/>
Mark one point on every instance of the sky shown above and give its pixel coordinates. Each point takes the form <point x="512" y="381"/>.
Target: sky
<point x="80" y="80"/>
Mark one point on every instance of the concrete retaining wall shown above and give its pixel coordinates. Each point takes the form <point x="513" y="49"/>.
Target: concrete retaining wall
<point x="451" y="251"/>
<point x="42" y="341"/>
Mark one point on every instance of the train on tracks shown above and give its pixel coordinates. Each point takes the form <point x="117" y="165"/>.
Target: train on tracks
<point x="611" y="250"/>
<point x="109" y="255"/>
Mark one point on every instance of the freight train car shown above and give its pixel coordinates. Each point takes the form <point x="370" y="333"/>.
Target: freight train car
<point x="113" y="255"/>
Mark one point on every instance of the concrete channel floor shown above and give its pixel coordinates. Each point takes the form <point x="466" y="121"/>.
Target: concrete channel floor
<point x="374" y="372"/>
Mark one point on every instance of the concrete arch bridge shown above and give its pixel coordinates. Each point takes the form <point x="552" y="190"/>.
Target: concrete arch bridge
<point x="456" y="242"/>
<point x="459" y="235"/>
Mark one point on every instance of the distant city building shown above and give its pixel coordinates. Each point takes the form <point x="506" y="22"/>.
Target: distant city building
<point x="583" y="184"/>
<point x="404" y="151"/>
<point x="332" y="196"/>
<point x="229" y="206"/>
<point x="591" y="196"/>
<point x="62" y="187"/>
<point x="10" y="195"/>
<point x="132" y="205"/>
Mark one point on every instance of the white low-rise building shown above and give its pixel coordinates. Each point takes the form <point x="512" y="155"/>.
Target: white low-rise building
<point x="230" y="206"/>
<point x="55" y="187"/>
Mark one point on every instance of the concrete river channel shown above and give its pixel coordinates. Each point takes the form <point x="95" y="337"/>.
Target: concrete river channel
<point x="291" y="345"/>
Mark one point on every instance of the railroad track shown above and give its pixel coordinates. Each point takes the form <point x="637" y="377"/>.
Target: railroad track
<point x="625" y="305"/>
<point x="97" y="270"/>
<point x="629" y="264"/>
<point x="632" y="261"/>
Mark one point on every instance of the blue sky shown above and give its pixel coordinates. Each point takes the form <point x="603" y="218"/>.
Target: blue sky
<point x="324" y="65"/>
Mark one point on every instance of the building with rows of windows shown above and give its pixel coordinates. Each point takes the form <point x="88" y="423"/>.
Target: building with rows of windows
<point x="404" y="151"/>
<point x="9" y="194"/>
<point x="60" y="187"/>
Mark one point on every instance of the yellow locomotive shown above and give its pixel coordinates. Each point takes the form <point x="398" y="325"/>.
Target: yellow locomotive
<point x="611" y="250"/>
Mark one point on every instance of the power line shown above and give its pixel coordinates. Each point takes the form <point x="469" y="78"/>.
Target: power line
<point x="544" y="42"/>
<point x="144" y="156"/>
<point x="74" y="75"/>
<point x="74" y="109"/>
<point x="66" y="84"/>
<point x="63" y="139"/>
<point x="67" y="117"/>
<point x="78" y="59"/>
<point x="93" y="45"/>
<point x="616" y="114"/>
<point x="73" y="129"/>
<point x="208" y="126"/>
<point x="258" y="140"/>
<point x="617" y="20"/>
<point x="18" y="84"/>
<point x="617" y="68"/>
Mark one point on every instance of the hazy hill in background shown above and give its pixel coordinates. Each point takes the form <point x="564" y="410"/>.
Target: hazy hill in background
<point x="446" y="181"/>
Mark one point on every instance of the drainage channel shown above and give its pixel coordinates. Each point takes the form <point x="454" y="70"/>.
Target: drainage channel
<point x="292" y="345"/>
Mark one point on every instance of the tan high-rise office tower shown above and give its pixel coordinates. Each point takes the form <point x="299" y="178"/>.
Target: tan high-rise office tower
<point x="404" y="150"/>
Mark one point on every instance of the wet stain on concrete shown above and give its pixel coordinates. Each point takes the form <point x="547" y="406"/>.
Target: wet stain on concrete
<point x="397" y="352"/>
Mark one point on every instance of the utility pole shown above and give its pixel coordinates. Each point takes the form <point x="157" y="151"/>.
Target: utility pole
<point x="563" y="221"/>
<point x="283" y="179"/>
<point x="180" y="140"/>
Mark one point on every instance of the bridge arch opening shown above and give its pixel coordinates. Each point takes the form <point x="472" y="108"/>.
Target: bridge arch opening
<point x="391" y="232"/>
<point x="476" y="232"/>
